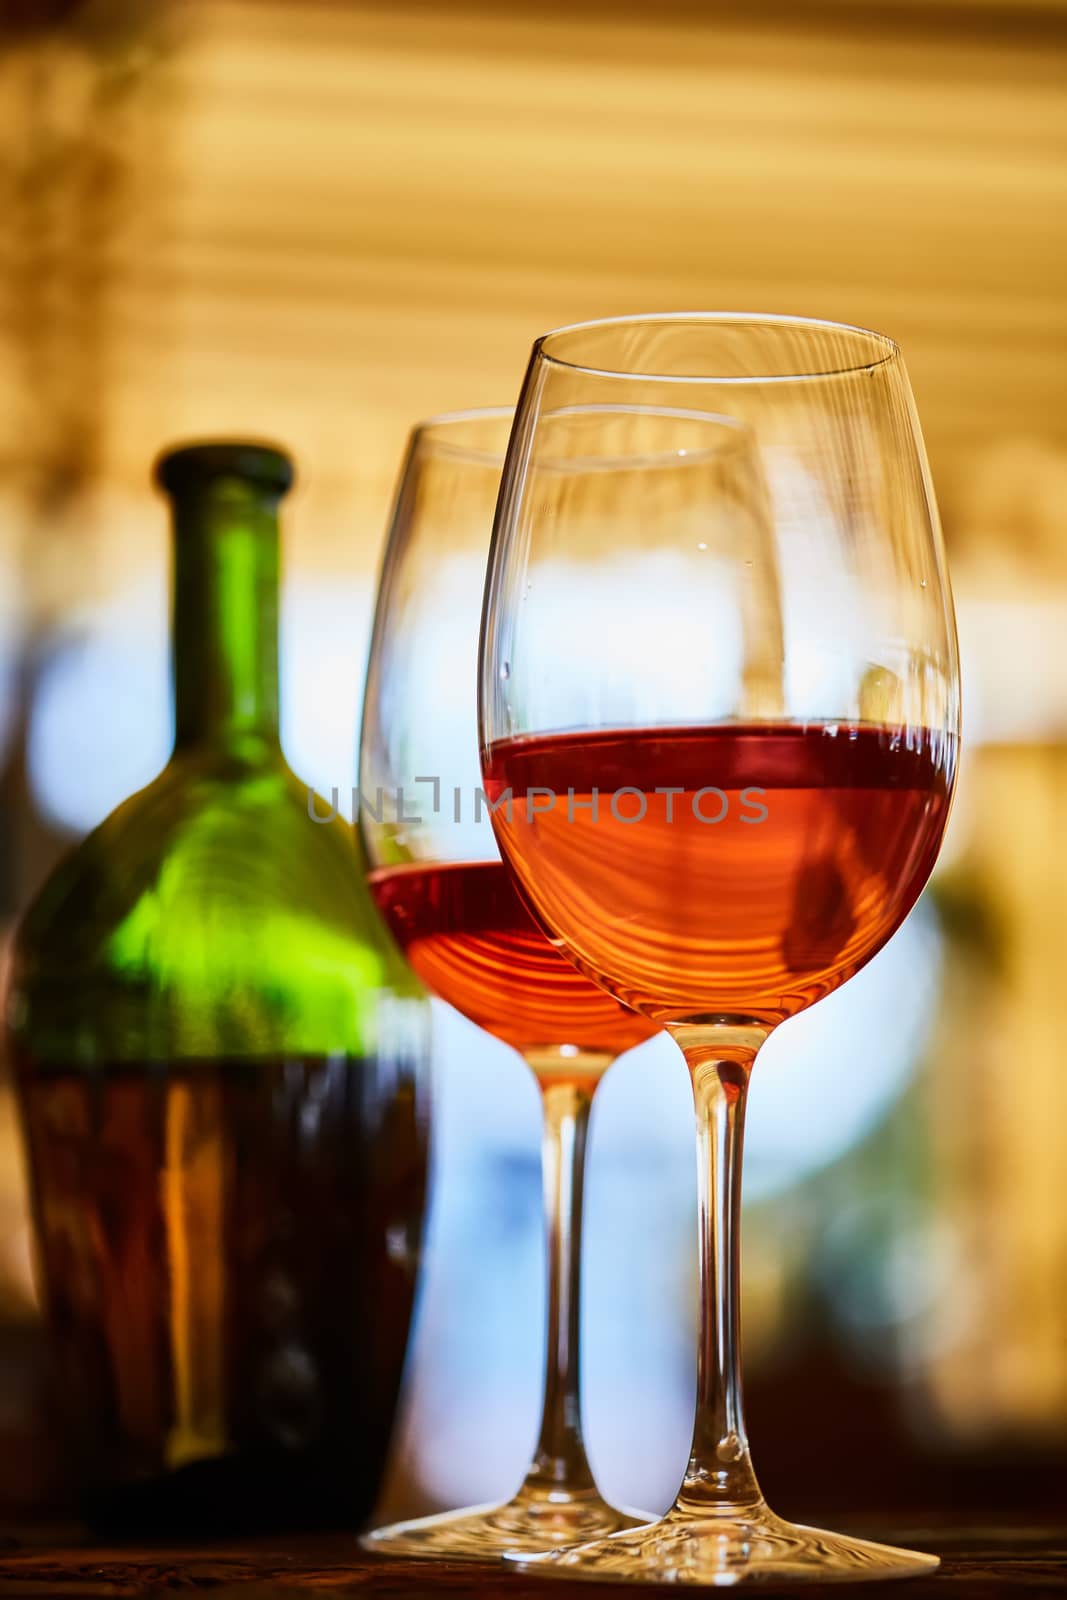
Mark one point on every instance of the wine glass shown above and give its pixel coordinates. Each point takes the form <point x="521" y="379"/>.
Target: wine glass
<point x="737" y="661"/>
<point x="439" y="881"/>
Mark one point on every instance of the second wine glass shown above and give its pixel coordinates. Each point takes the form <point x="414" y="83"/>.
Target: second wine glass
<point x="441" y="885"/>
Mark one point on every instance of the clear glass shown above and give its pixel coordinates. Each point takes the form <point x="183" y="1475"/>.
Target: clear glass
<point x="439" y="880"/>
<point x="719" y="722"/>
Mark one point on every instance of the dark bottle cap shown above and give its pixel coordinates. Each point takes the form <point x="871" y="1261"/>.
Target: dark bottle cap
<point x="192" y="466"/>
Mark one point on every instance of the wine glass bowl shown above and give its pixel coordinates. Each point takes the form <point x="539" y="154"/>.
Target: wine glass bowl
<point x="437" y="872"/>
<point x="719" y="723"/>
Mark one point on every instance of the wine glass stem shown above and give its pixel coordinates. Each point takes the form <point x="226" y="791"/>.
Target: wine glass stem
<point x="719" y="1475"/>
<point x="560" y="1461"/>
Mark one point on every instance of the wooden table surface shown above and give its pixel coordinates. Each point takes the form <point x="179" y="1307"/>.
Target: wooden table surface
<point x="979" y="1561"/>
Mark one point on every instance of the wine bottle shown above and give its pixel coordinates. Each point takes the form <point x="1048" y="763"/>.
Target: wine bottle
<point x="221" y="1060"/>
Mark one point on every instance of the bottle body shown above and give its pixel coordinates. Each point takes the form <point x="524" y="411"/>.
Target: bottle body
<point x="228" y="1314"/>
<point x="222" y="1069"/>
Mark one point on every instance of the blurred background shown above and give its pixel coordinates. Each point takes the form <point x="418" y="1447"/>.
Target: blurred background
<point x="319" y="221"/>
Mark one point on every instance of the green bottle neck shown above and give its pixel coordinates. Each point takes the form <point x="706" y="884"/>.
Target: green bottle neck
<point x="225" y="634"/>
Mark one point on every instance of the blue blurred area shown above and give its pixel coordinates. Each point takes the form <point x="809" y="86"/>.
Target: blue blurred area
<point x="818" y="1093"/>
<point x="101" y="719"/>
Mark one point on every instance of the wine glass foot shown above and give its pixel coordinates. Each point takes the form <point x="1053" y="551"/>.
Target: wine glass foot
<point x="721" y="1550"/>
<point x="530" y="1523"/>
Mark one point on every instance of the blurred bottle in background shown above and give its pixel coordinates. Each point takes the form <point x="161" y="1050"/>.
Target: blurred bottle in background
<point x="220" y="1056"/>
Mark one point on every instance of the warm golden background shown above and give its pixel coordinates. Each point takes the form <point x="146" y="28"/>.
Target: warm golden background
<point x="317" y="222"/>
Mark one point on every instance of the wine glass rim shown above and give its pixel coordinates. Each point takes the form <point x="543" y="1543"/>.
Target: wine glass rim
<point x="733" y="433"/>
<point x="432" y="434"/>
<point x="887" y="348"/>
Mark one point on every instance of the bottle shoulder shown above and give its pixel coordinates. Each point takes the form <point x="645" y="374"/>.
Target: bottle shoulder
<point x="206" y="834"/>
<point x="209" y="896"/>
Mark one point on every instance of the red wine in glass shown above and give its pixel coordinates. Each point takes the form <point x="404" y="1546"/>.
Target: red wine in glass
<point x="749" y="869"/>
<point x="466" y="931"/>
